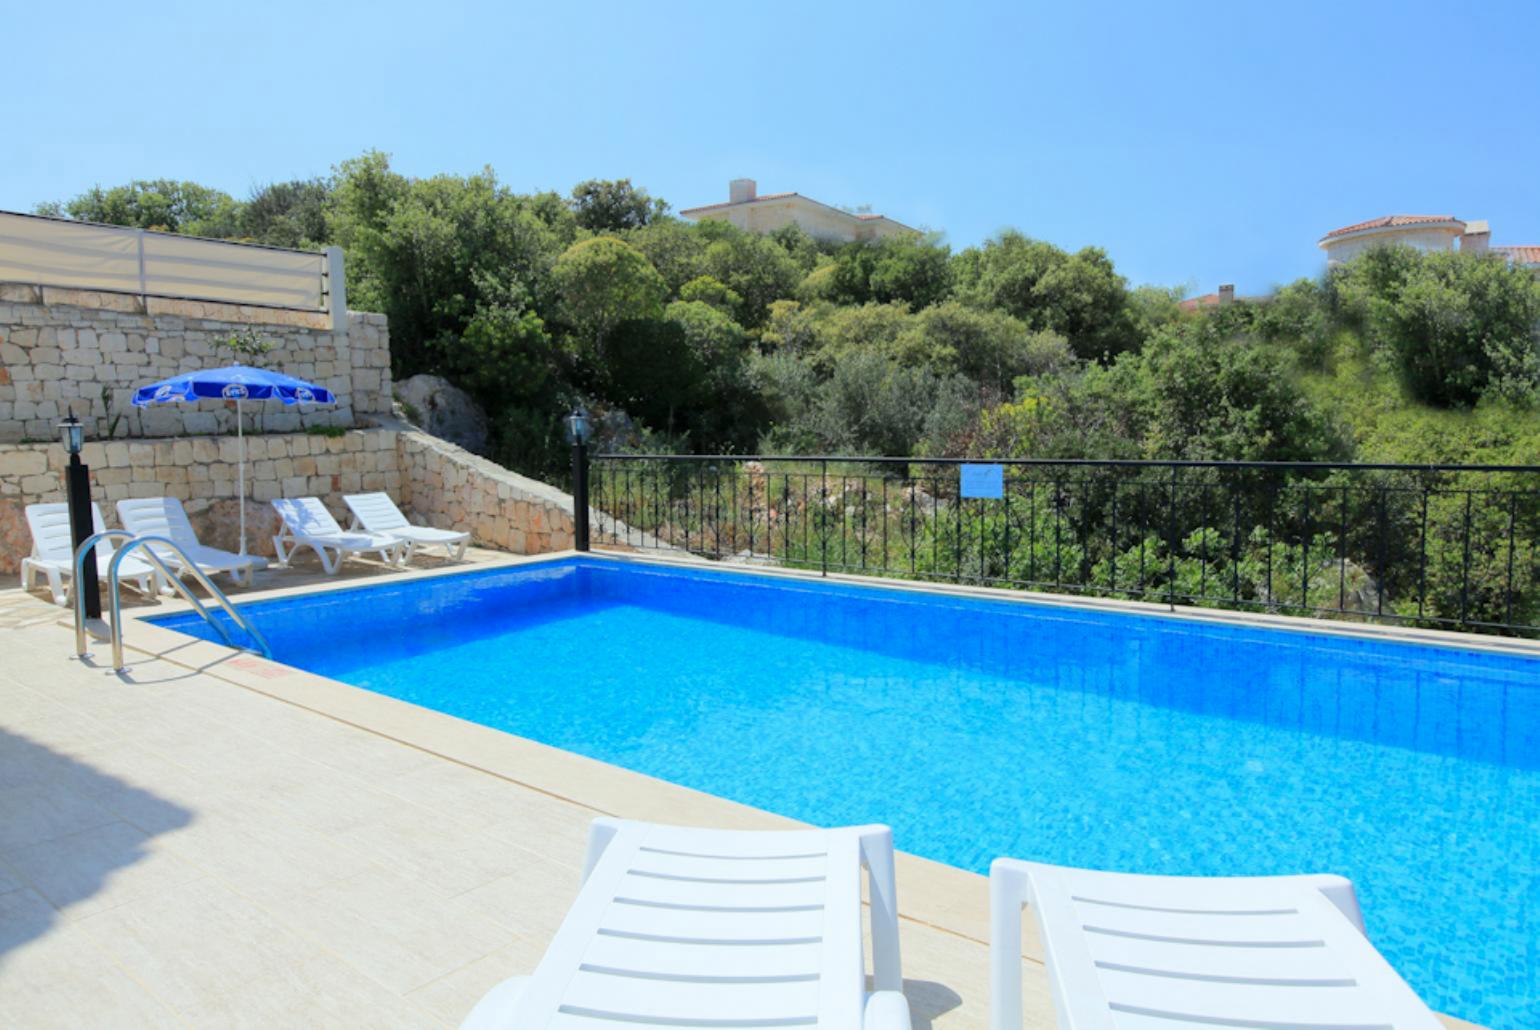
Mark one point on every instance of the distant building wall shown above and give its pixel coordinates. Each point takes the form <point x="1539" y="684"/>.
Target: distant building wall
<point x="751" y="212"/>
<point x="1428" y="239"/>
<point x="59" y="348"/>
<point x="815" y="219"/>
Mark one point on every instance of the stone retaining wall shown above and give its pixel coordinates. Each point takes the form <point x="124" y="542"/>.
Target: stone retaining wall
<point x="201" y="473"/>
<point x="60" y="349"/>
<point x="447" y="486"/>
<point x="434" y="482"/>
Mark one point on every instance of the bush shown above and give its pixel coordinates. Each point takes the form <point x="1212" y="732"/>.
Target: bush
<point x="1454" y="325"/>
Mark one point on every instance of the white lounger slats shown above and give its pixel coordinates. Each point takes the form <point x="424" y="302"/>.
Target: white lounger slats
<point x="165" y="516"/>
<point x="679" y="927"/>
<point x="53" y="553"/>
<point x="377" y="513"/>
<point x="1128" y="952"/>
<point x="307" y="523"/>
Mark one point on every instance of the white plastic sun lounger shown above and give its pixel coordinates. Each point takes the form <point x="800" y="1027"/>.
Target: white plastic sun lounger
<point x="165" y="516"/>
<point x="1129" y="952"/>
<point x="377" y="513"/>
<point x="307" y="523"/>
<point x="53" y="553"/>
<point x="678" y="927"/>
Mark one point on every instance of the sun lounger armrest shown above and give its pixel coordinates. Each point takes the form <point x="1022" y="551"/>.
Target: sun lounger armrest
<point x="886" y="1010"/>
<point x="1010" y="892"/>
<point x="877" y="856"/>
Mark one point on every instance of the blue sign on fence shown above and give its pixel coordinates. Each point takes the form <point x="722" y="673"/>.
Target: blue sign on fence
<point x="983" y="481"/>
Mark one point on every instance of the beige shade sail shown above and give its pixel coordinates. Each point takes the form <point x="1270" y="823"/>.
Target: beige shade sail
<point x="85" y="256"/>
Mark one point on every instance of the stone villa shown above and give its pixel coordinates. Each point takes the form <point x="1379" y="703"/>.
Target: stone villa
<point x="748" y="209"/>
<point x="1425" y="232"/>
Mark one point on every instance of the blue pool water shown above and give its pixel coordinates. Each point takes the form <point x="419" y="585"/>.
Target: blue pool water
<point x="980" y="728"/>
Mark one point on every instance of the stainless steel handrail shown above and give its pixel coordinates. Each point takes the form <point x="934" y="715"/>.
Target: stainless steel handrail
<point x="172" y="579"/>
<point x="79" y="598"/>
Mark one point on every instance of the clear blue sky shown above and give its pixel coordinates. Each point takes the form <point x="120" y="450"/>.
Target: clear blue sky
<point x="1196" y="142"/>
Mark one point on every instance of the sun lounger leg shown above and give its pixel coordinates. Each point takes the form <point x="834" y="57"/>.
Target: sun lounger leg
<point x="56" y="587"/>
<point x="328" y="565"/>
<point x="1006" y="897"/>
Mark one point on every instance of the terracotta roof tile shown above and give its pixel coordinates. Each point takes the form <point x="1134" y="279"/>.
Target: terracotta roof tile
<point x="1208" y="300"/>
<point x="1523" y="255"/>
<point x="735" y="203"/>
<point x="1392" y="221"/>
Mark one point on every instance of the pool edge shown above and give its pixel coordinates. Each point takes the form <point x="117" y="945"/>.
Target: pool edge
<point x="933" y="894"/>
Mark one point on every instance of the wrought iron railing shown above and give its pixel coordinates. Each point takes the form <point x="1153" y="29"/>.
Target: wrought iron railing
<point x="1455" y="547"/>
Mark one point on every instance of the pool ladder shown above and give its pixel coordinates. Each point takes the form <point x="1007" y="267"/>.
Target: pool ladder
<point x="114" y="592"/>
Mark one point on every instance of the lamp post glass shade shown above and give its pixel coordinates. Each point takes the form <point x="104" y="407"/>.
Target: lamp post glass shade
<point x="73" y="432"/>
<point x="579" y="428"/>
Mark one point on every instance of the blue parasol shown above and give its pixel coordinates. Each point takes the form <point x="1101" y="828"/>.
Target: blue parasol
<point x="236" y="383"/>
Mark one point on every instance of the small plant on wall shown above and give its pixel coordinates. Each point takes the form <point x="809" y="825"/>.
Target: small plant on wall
<point x="246" y="346"/>
<point x="110" y="418"/>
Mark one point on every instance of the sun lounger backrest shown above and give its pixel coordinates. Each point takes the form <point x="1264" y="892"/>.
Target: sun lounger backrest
<point x="50" y="527"/>
<point x="157" y="516"/>
<point x="307" y="516"/>
<point x="658" y="898"/>
<point x="376" y="512"/>
<point x="1184" y="950"/>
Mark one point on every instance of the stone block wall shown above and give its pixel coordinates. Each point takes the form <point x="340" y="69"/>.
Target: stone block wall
<point x="60" y="349"/>
<point x="449" y="487"/>
<point x="200" y="472"/>
<point x="434" y="482"/>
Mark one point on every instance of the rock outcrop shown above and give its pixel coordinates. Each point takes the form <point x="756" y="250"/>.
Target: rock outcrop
<point x="435" y="404"/>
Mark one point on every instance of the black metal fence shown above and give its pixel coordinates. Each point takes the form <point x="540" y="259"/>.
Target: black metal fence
<point x="1439" y="546"/>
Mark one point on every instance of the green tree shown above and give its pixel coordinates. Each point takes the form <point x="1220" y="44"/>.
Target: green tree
<point x="614" y="205"/>
<point x="602" y="282"/>
<point x="868" y="329"/>
<point x="676" y="249"/>
<point x="754" y="267"/>
<point x="287" y="214"/>
<point x="911" y="268"/>
<point x="1227" y="399"/>
<point x="788" y="388"/>
<point x="873" y="405"/>
<point x="803" y="248"/>
<point x="789" y="328"/>
<point x="1080" y="296"/>
<point x="988" y="347"/>
<point x="433" y="253"/>
<point x="504" y="357"/>
<point x="1453" y="324"/>
<point x="726" y="412"/>
<point x="164" y="204"/>
<point x="652" y="373"/>
<point x="709" y="291"/>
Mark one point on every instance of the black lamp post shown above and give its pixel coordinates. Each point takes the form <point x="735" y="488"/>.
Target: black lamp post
<point x="579" y="430"/>
<point x="77" y="483"/>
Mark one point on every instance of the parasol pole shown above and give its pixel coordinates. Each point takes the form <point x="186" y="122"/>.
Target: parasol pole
<point x="240" y="434"/>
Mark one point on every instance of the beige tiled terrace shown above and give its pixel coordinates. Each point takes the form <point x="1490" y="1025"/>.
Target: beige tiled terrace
<point x="217" y="840"/>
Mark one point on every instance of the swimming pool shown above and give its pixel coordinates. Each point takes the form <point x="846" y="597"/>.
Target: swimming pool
<point x="978" y="728"/>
